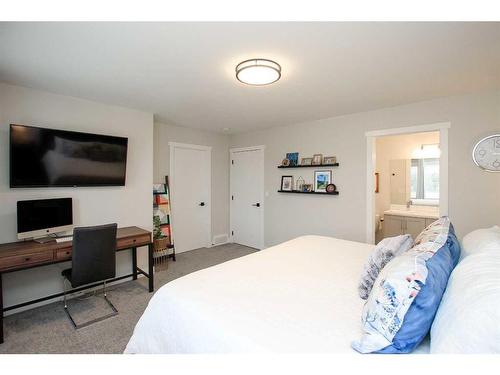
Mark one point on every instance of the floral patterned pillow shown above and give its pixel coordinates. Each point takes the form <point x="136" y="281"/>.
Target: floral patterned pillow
<point x="431" y="233"/>
<point x="385" y="250"/>
<point x="396" y="288"/>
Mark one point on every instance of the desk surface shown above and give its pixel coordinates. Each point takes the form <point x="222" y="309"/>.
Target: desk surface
<point x="17" y="255"/>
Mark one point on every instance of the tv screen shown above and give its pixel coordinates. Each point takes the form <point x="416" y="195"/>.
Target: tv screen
<point x="46" y="157"/>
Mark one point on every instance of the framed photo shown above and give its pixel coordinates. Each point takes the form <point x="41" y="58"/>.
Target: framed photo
<point x="299" y="184"/>
<point x="307" y="188"/>
<point x="293" y="157"/>
<point x="317" y="159"/>
<point x="287" y="183"/>
<point x="329" y="160"/>
<point x="306" y="161"/>
<point x="321" y="180"/>
<point x="331" y="188"/>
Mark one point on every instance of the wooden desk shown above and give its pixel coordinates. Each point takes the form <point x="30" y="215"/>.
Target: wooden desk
<point x="23" y="255"/>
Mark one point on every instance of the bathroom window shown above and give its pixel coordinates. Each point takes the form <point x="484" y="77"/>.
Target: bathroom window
<point x="424" y="175"/>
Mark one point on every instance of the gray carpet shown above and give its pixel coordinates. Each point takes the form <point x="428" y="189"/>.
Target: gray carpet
<point x="47" y="329"/>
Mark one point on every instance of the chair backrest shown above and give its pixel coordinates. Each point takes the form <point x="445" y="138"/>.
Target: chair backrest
<point x="94" y="254"/>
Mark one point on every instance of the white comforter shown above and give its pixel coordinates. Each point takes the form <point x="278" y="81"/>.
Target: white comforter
<point x="299" y="296"/>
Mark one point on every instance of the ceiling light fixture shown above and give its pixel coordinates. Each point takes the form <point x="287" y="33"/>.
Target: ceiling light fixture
<point x="258" y="72"/>
<point x="427" y="151"/>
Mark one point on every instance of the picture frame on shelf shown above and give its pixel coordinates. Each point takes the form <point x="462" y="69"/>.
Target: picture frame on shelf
<point x="321" y="180"/>
<point x="306" y="161"/>
<point x="293" y="157"/>
<point x="299" y="184"/>
<point x="307" y="188"/>
<point x="162" y="216"/>
<point x="159" y="189"/>
<point x="317" y="159"/>
<point x="331" y="188"/>
<point x="330" y="160"/>
<point x="287" y="183"/>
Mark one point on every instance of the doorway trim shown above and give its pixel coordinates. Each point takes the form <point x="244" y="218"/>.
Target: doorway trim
<point x="232" y="151"/>
<point x="443" y="128"/>
<point x="173" y="146"/>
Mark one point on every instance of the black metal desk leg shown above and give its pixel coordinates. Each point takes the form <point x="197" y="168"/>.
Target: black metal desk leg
<point x="150" y="268"/>
<point x="134" y="263"/>
<point x="1" y="310"/>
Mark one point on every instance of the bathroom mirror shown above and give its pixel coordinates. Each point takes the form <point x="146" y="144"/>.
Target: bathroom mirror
<point x="415" y="180"/>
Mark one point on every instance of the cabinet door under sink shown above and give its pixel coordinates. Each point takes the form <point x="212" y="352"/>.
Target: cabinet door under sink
<point x="393" y="225"/>
<point x="396" y="225"/>
<point x="414" y="225"/>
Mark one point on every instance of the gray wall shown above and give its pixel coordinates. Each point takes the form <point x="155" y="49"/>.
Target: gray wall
<point x="164" y="133"/>
<point x="128" y="205"/>
<point x="473" y="194"/>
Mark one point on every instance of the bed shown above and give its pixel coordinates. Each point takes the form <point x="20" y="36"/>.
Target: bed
<point x="298" y="296"/>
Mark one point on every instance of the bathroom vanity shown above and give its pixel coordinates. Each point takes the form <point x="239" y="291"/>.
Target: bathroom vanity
<point x="405" y="221"/>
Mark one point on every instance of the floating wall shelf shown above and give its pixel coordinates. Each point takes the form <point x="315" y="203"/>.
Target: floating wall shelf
<point x="307" y="192"/>
<point x="309" y="166"/>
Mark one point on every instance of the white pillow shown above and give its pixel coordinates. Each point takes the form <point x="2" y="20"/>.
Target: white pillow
<point x="487" y="239"/>
<point x="468" y="317"/>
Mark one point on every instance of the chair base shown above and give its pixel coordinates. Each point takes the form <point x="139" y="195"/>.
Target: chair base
<point x="90" y="322"/>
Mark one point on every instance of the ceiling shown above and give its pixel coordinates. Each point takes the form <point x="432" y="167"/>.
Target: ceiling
<point x="184" y="72"/>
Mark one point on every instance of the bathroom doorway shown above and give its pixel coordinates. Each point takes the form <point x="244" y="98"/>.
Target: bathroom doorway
<point x="409" y="172"/>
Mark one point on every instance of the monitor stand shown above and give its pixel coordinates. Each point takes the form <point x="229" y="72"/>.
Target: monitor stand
<point x="44" y="239"/>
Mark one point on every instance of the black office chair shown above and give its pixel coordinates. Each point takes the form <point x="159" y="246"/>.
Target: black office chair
<point x="93" y="260"/>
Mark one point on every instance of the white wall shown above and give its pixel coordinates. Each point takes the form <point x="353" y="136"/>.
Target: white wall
<point x="164" y="133"/>
<point x="393" y="148"/>
<point x="128" y="205"/>
<point x="473" y="194"/>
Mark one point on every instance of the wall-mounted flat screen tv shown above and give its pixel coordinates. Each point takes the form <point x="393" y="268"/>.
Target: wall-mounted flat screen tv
<point x="42" y="157"/>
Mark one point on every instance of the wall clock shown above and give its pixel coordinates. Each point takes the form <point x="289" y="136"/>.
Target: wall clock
<point x="486" y="153"/>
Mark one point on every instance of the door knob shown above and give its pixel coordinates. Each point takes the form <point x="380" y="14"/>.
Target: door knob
<point x="256" y="204"/>
<point x="202" y="204"/>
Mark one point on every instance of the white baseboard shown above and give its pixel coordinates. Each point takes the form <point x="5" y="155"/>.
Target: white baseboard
<point x="220" y="239"/>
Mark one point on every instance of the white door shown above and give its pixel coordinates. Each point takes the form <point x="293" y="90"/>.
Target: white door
<point x="247" y="196"/>
<point x="190" y="185"/>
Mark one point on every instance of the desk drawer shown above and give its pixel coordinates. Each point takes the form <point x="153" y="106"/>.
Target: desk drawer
<point x="63" y="254"/>
<point x="20" y="261"/>
<point x="133" y="241"/>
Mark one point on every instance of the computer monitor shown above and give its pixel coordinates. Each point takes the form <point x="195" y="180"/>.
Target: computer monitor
<point x="41" y="217"/>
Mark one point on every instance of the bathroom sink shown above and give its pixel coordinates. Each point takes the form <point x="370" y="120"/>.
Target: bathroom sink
<point x="412" y="213"/>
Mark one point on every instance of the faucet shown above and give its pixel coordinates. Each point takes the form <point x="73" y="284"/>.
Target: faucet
<point x="408" y="204"/>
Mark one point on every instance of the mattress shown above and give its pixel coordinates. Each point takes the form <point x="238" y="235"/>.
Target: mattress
<point x="297" y="297"/>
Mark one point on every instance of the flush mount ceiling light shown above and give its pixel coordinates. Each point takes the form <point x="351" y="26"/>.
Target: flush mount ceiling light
<point x="258" y="72"/>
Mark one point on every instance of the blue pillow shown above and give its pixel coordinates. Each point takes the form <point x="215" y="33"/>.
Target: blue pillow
<point x="420" y="315"/>
<point x="407" y="293"/>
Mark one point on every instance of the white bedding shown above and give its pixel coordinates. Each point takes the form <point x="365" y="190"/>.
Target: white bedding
<point x="299" y="296"/>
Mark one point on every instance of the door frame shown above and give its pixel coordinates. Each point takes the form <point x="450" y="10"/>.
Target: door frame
<point x="443" y="128"/>
<point x="173" y="146"/>
<point x="232" y="151"/>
